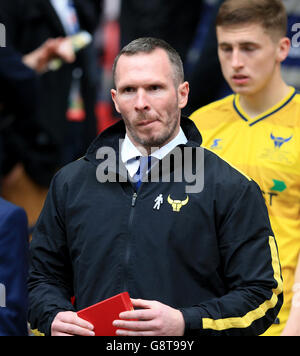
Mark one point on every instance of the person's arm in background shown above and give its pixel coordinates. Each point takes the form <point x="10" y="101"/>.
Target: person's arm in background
<point x="13" y="270"/>
<point x="39" y="59"/>
<point x="18" y="82"/>
<point x="292" y="327"/>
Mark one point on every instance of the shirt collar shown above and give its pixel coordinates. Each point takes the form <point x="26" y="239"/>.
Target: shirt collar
<point x="129" y="151"/>
<point x="180" y="139"/>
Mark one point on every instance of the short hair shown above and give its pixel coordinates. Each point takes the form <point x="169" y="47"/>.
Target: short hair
<point x="270" y="14"/>
<point x="148" y="45"/>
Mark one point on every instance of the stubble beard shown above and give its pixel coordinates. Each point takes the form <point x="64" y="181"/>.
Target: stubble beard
<point x="156" y="140"/>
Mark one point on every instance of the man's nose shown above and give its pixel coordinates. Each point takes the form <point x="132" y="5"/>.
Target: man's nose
<point x="141" y="103"/>
<point x="237" y="60"/>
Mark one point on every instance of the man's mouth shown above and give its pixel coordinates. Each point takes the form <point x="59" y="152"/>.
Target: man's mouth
<point x="240" y="79"/>
<point x="145" y="123"/>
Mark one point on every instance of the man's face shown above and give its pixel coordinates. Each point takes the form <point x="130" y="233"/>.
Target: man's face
<point x="148" y="99"/>
<point x="249" y="57"/>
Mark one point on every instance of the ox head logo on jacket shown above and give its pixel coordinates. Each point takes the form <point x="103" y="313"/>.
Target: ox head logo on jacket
<point x="177" y="204"/>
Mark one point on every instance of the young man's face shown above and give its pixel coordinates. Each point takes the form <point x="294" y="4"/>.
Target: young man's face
<point x="148" y="99"/>
<point x="249" y="57"/>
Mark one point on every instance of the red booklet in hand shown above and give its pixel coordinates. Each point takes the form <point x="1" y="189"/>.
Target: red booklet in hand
<point x="102" y="314"/>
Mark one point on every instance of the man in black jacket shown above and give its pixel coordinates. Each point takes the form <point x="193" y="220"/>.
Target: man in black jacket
<point x="201" y="258"/>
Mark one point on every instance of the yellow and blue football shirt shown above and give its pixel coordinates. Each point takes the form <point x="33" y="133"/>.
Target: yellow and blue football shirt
<point x="267" y="149"/>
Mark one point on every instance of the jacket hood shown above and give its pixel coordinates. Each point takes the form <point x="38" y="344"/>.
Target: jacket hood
<point x="111" y="138"/>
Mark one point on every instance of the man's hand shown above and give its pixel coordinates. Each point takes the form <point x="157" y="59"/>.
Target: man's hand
<point x="40" y="58"/>
<point x="153" y="319"/>
<point x="69" y="324"/>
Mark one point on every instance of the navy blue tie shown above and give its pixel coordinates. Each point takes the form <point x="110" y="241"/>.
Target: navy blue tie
<point x="145" y="165"/>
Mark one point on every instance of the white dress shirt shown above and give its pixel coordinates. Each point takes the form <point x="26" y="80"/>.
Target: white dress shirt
<point x="129" y="152"/>
<point x="67" y="15"/>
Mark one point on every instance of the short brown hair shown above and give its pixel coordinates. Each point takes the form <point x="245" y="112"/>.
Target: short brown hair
<point x="148" y="45"/>
<point x="271" y="14"/>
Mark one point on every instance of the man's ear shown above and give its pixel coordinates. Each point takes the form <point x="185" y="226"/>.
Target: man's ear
<point x="113" y="93"/>
<point x="183" y="94"/>
<point x="283" y="49"/>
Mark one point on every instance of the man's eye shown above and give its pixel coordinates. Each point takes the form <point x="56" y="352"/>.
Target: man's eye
<point x="226" y="49"/>
<point x="128" y="90"/>
<point x="154" y="87"/>
<point x="249" y="48"/>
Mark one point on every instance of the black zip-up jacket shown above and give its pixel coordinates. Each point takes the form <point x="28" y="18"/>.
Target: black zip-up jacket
<point x="210" y="254"/>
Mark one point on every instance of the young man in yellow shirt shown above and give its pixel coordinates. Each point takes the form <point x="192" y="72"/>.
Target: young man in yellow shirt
<point x="257" y="129"/>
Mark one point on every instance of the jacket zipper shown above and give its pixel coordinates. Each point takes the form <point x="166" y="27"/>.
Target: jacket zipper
<point x="128" y="249"/>
<point x="133" y="201"/>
